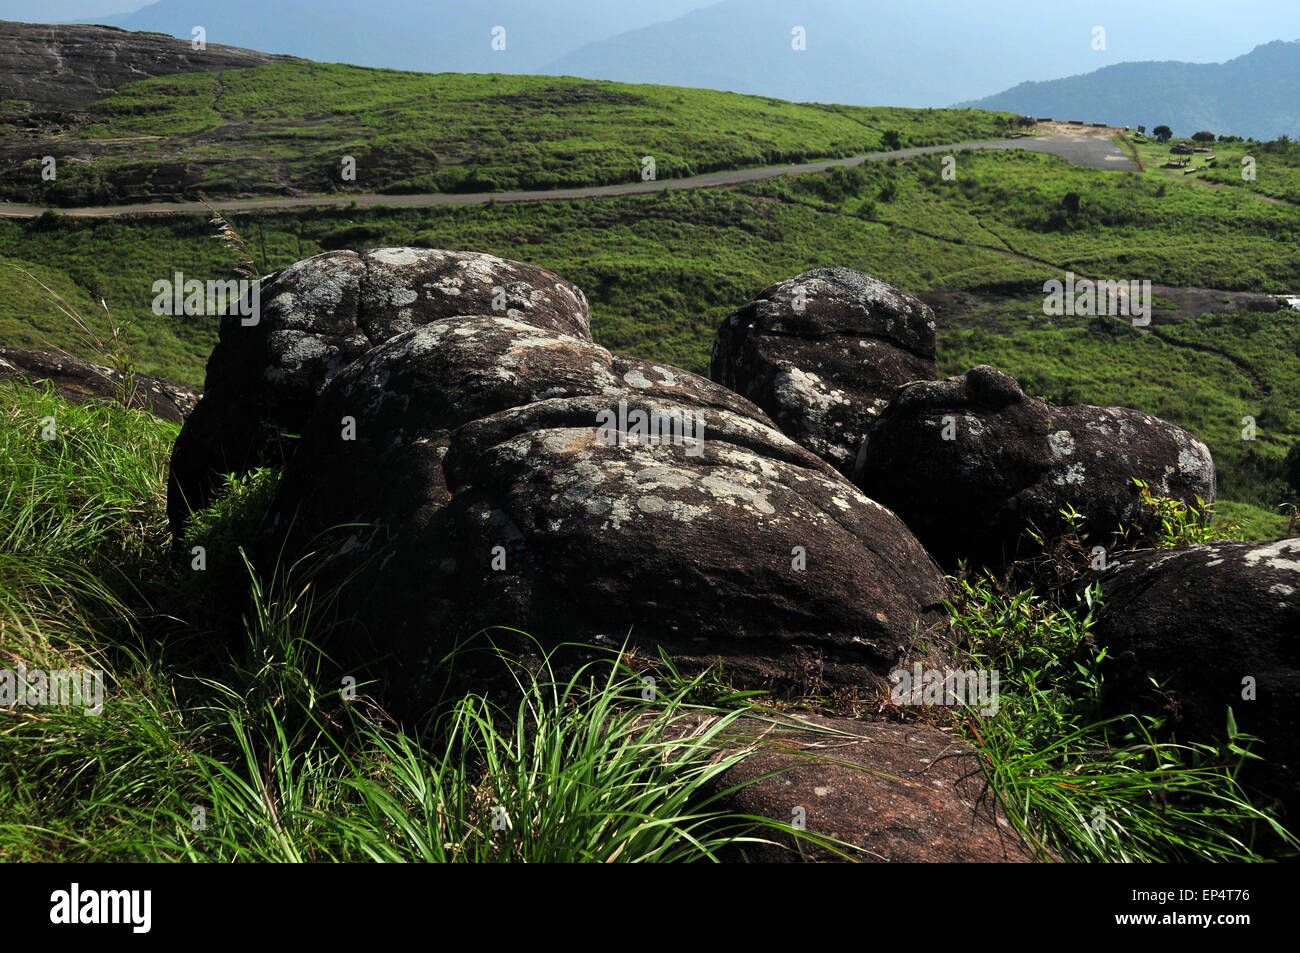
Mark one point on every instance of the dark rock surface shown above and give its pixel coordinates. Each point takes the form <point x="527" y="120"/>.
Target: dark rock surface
<point x="906" y="794"/>
<point x="491" y="500"/>
<point x="1015" y="461"/>
<point x="1199" y="620"/>
<point x="494" y="460"/>
<point x="316" y="317"/>
<point x="79" y="381"/>
<point x="822" y="352"/>
<point x="65" y="67"/>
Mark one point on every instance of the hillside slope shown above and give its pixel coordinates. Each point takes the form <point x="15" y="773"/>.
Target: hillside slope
<point x="286" y="128"/>
<point x="56" y="69"/>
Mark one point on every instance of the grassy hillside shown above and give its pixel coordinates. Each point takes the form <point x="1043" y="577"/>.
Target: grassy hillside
<point x="662" y="271"/>
<point x="1276" y="165"/>
<point x="285" y="128"/>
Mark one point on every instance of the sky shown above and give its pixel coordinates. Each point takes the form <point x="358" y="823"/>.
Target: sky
<point x="63" y="11"/>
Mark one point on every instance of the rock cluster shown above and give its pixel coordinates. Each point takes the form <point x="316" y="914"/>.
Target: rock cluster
<point x="971" y="464"/>
<point x="471" y="460"/>
<point x="822" y="353"/>
<point x="494" y="467"/>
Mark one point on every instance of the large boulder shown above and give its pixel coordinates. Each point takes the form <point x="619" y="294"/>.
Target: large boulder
<point x="484" y="471"/>
<point x="822" y="352"/>
<point x="1211" y="624"/>
<point x="78" y="381"/>
<point x="886" y="792"/>
<point x="468" y="459"/>
<point x="316" y="317"/>
<point x="970" y="463"/>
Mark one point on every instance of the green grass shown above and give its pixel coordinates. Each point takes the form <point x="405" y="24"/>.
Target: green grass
<point x="258" y="757"/>
<point x="1276" y="166"/>
<point x="1109" y="789"/>
<point x="262" y="130"/>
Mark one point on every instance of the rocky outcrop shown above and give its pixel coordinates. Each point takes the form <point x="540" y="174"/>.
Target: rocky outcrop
<point x="57" y="68"/>
<point x="316" y="317"/>
<point x="970" y="463"/>
<point x="79" y="381"/>
<point x="885" y="792"/>
<point x="822" y="352"/>
<point x="1218" y="627"/>
<point x="474" y="468"/>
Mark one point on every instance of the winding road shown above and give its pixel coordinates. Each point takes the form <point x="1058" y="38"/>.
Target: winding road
<point x="1096" y="151"/>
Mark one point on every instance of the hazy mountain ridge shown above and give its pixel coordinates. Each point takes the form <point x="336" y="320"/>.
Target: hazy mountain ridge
<point x="1255" y="95"/>
<point x="405" y="34"/>
<point x="926" y="53"/>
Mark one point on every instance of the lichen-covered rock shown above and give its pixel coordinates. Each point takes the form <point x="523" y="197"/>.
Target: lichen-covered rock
<point x="1218" y="627"/>
<point x="885" y="792"/>
<point x="503" y="480"/>
<point x="79" y="381"/>
<point x="316" y="317"/>
<point x="970" y="463"/>
<point x="822" y="352"/>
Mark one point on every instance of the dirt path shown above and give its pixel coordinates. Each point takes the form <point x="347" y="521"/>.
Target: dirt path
<point x="1095" y="151"/>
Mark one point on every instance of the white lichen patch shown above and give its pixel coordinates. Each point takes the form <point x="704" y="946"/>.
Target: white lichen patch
<point x="1072" y="475"/>
<point x="733" y="491"/>
<point x="395" y="256"/>
<point x="1195" y="461"/>
<point x="635" y="378"/>
<point x="1283" y="554"/>
<point x="1061" y="443"/>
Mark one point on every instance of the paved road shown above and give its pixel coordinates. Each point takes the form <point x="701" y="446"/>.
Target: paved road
<point x="1095" y="151"/>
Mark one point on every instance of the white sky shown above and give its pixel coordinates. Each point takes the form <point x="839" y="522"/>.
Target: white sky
<point x="62" y="11"/>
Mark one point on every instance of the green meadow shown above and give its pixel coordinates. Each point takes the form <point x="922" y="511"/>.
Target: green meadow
<point x="286" y="128"/>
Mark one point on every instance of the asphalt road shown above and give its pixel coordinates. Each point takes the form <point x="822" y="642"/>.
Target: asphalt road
<point x="1094" y="151"/>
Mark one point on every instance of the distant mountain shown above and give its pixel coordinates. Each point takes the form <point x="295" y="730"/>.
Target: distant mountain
<point x="914" y="53"/>
<point x="432" y="36"/>
<point x="1256" y="95"/>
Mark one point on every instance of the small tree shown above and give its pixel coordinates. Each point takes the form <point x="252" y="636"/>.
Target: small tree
<point x="1070" y="202"/>
<point x="893" y="141"/>
<point x="1203" y="136"/>
<point x="1163" y="133"/>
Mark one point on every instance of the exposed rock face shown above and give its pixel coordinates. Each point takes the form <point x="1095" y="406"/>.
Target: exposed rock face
<point x="58" y="68"/>
<point x="79" y="381"/>
<point x="907" y="794"/>
<point x="1200" y="620"/>
<point x="498" y="464"/>
<point x="316" y="317"/>
<point x="822" y="352"/>
<point x="971" y="462"/>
